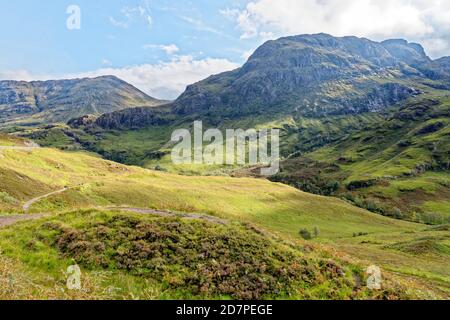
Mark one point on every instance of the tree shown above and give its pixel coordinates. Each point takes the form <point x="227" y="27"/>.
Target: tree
<point x="305" y="234"/>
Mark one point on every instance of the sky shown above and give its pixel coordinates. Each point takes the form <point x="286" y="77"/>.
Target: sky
<point x="161" y="46"/>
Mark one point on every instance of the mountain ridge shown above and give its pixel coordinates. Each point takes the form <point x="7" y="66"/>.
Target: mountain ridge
<point x="60" y="100"/>
<point x="304" y="75"/>
<point x="313" y="75"/>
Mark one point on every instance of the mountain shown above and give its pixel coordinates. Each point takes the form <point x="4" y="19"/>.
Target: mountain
<point x="313" y="75"/>
<point x="60" y="100"/>
<point x="362" y="120"/>
<point x="304" y="76"/>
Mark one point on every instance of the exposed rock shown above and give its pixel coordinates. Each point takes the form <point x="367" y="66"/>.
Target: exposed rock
<point x="310" y="75"/>
<point x="410" y="53"/>
<point x="83" y="121"/>
<point x="133" y="118"/>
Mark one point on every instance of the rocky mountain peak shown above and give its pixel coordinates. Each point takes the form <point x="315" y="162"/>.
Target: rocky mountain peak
<point x="311" y="75"/>
<point x="410" y="53"/>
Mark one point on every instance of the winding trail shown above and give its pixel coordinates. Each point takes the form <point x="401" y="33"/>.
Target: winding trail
<point x="10" y="220"/>
<point x="13" y="219"/>
<point x="29" y="203"/>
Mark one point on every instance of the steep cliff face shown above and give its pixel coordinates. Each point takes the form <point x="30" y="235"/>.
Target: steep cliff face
<point x="132" y="118"/>
<point x="60" y="100"/>
<point x="412" y="54"/>
<point x="311" y="75"/>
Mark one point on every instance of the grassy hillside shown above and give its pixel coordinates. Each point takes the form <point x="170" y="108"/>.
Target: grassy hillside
<point x="132" y="256"/>
<point x="96" y="182"/>
<point x="398" y="166"/>
<point x="275" y="209"/>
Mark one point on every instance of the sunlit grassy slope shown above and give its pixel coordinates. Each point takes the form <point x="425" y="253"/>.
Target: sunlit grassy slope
<point x="96" y="182"/>
<point x="276" y="208"/>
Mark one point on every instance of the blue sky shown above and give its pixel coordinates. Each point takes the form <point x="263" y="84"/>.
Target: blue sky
<point x="37" y="40"/>
<point x="161" y="46"/>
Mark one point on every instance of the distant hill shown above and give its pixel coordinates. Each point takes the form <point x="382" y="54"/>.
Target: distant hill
<point x="60" y="100"/>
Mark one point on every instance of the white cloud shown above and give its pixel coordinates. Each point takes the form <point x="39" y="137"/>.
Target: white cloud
<point x="199" y="25"/>
<point x="165" y="80"/>
<point x="249" y="28"/>
<point x="417" y="20"/>
<point x="122" y="24"/>
<point x="437" y="47"/>
<point x="18" y="75"/>
<point x="131" y="14"/>
<point x="169" y="49"/>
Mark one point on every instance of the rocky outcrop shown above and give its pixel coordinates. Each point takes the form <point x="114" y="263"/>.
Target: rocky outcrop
<point x="82" y="121"/>
<point x="133" y="118"/>
<point x="412" y="54"/>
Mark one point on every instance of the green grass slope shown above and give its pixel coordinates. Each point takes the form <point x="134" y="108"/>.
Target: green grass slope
<point x="96" y="182"/>
<point x="275" y="209"/>
<point x="397" y="166"/>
